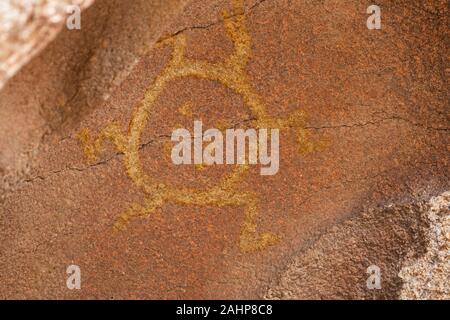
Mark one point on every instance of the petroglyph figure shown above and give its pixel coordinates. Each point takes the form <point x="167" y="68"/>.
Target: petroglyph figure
<point x="230" y="73"/>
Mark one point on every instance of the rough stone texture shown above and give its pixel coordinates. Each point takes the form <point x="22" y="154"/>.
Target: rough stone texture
<point x="335" y="265"/>
<point x="377" y="99"/>
<point x="26" y="27"/>
<point x="429" y="276"/>
<point x="73" y="75"/>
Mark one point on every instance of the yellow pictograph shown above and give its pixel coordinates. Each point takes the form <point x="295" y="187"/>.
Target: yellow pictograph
<point x="230" y="73"/>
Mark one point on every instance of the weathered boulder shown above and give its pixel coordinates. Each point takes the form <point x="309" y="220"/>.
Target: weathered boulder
<point x="363" y="119"/>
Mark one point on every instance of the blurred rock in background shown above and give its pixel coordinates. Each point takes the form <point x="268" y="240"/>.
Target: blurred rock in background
<point x="26" y="27"/>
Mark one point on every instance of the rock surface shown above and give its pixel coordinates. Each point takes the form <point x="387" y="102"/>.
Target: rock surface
<point x="76" y="73"/>
<point x="364" y="146"/>
<point x="429" y="276"/>
<point x="26" y="27"/>
<point x="413" y="257"/>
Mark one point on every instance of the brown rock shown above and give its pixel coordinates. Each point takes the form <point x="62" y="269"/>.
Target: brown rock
<point x="375" y="133"/>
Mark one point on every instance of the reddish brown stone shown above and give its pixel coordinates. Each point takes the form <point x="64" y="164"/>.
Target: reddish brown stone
<point x="378" y="98"/>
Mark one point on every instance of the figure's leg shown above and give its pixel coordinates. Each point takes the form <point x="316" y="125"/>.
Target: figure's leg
<point x="250" y="239"/>
<point x="137" y="210"/>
